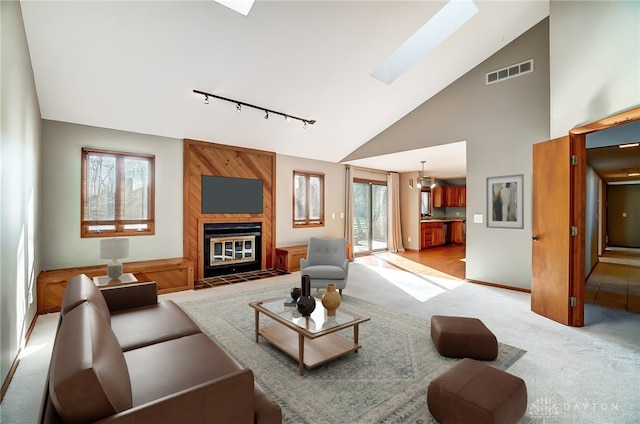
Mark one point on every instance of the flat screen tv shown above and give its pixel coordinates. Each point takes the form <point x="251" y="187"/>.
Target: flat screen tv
<point x="231" y="195"/>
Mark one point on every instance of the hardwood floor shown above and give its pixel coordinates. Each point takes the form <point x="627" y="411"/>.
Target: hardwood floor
<point x="445" y="260"/>
<point x="614" y="283"/>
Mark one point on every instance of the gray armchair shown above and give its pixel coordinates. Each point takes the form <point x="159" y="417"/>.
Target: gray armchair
<point x="326" y="262"/>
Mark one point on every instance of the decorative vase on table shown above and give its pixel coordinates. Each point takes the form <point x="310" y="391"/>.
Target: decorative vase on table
<point x="306" y="303"/>
<point x="331" y="299"/>
<point x="295" y="293"/>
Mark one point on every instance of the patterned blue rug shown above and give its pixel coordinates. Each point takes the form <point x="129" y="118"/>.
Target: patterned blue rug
<point x="384" y="382"/>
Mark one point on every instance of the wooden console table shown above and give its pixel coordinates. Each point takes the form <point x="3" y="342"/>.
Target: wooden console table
<point x="288" y="258"/>
<point x="171" y="275"/>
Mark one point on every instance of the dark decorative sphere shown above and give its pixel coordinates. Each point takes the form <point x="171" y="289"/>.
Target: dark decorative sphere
<point x="295" y="293"/>
<point x="306" y="305"/>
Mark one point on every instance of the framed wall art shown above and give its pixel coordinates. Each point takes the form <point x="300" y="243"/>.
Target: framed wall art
<point x="504" y="202"/>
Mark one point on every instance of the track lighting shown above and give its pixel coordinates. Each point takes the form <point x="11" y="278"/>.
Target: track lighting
<point x="239" y="105"/>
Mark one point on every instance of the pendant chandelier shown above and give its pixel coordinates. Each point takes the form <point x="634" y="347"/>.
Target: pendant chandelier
<point x="425" y="181"/>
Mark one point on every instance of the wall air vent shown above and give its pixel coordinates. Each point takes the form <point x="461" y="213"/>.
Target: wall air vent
<point x="510" y="72"/>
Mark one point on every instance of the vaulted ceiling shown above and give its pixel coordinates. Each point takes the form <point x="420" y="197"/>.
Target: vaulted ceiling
<point x="133" y="66"/>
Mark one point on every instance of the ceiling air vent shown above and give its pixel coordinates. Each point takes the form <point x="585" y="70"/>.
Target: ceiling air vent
<point x="510" y="72"/>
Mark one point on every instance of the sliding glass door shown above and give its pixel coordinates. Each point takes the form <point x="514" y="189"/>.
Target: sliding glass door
<point x="369" y="216"/>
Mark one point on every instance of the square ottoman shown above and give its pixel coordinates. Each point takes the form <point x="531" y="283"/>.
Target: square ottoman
<point x="462" y="337"/>
<point x="473" y="392"/>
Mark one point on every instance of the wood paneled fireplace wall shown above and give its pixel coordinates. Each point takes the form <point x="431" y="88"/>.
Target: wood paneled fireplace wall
<point x="203" y="158"/>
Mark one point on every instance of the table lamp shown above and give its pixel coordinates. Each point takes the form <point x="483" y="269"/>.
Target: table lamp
<point x="114" y="249"/>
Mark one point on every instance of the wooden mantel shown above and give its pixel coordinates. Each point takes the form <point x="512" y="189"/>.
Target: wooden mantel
<point x="203" y="158"/>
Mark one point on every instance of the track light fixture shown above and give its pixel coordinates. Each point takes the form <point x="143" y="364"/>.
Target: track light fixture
<point x="238" y="103"/>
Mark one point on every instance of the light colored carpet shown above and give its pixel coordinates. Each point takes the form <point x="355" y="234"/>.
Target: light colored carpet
<point x="385" y="381"/>
<point x="588" y="375"/>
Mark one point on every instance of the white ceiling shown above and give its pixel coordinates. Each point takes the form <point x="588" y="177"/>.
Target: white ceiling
<point x="134" y="65"/>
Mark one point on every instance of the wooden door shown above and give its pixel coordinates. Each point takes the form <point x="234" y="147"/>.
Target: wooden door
<point x="551" y="238"/>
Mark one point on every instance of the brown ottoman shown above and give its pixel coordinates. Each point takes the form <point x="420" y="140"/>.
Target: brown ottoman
<point x="462" y="337"/>
<point x="472" y="392"/>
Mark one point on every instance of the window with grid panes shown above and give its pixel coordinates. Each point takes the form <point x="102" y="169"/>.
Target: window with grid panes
<point x="117" y="194"/>
<point x="308" y="199"/>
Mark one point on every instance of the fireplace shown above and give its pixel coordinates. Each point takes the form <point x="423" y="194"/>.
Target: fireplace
<point x="232" y="247"/>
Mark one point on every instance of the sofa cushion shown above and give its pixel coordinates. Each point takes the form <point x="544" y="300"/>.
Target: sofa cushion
<point x="81" y="289"/>
<point x="177" y="365"/>
<point x="88" y="376"/>
<point x="151" y="324"/>
<point x="327" y="272"/>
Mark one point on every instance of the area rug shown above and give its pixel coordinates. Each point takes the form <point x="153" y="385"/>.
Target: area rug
<point x="384" y="382"/>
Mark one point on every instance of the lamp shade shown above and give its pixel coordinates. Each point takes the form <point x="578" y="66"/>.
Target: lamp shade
<point x="114" y="248"/>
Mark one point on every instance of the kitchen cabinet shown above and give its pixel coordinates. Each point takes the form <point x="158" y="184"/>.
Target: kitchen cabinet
<point x="457" y="232"/>
<point x="461" y="196"/>
<point x="439" y="232"/>
<point x="437" y="194"/>
<point x="431" y="234"/>
<point x="449" y="196"/>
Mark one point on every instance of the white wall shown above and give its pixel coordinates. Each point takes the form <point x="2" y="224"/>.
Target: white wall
<point x="595" y="61"/>
<point x="499" y="122"/>
<point x="19" y="187"/>
<point x="61" y="164"/>
<point x="334" y="196"/>
<point x="61" y="196"/>
<point x="593" y="182"/>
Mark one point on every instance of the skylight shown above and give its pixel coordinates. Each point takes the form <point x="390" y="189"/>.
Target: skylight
<point x="240" y="6"/>
<point x="445" y="22"/>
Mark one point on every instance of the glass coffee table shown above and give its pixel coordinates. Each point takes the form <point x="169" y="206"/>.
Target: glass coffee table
<point x="313" y="340"/>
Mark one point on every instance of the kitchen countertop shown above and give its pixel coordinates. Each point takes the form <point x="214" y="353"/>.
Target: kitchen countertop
<point x="445" y="219"/>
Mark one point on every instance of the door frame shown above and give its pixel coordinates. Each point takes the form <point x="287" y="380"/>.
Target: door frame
<point x="578" y="137"/>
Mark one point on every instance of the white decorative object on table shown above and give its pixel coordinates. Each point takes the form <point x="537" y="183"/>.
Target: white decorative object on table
<point x="114" y="249"/>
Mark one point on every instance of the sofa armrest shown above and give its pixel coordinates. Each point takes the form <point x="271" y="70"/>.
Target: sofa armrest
<point x="228" y="399"/>
<point x="304" y="262"/>
<point x="130" y="296"/>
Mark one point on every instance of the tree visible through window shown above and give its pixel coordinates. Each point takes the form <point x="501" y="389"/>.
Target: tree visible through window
<point x="117" y="193"/>
<point x="308" y="199"/>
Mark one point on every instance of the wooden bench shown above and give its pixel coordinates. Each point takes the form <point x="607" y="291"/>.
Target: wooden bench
<point x="171" y="275"/>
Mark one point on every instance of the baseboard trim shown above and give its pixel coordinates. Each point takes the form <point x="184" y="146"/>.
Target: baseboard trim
<point x="500" y="286"/>
<point x="16" y="360"/>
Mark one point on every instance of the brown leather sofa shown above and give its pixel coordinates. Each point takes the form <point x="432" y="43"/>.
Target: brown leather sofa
<point x="121" y="356"/>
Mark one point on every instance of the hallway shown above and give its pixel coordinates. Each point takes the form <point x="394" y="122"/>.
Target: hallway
<point x="615" y="281"/>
